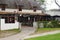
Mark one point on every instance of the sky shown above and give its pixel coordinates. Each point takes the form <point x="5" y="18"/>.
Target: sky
<point x="50" y="4"/>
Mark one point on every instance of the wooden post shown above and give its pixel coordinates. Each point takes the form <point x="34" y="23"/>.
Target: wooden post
<point x="0" y="23"/>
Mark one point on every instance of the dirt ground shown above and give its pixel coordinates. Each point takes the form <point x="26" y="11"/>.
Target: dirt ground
<point x="7" y="33"/>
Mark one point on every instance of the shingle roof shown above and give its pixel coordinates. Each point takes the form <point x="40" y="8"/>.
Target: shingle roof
<point x="3" y="2"/>
<point x="11" y="3"/>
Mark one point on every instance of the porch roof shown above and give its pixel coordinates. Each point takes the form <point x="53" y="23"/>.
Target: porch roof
<point x="24" y="11"/>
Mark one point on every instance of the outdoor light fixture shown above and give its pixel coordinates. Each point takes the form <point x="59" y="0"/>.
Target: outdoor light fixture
<point x="20" y="14"/>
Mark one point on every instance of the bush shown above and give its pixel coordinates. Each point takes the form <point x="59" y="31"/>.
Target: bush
<point x="50" y="24"/>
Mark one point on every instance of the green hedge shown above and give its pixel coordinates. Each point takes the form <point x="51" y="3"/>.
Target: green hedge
<point x="50" y="24"/>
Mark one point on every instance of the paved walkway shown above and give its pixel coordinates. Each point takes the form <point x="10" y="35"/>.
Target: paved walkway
<point x="42" y="34"/>
<point x="24" y="32"/>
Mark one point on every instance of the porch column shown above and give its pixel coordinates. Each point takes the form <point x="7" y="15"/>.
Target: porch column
<point x="19" y="22"/>
<point x="35" y="24"/>
<point x="0" y="23"/>
<point x="16" y="18"/>
<point x="19" y="25"/>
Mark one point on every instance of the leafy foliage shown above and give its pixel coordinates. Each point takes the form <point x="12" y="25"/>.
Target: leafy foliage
<point x="42" y="1"/>
<point x="50" y="24"/>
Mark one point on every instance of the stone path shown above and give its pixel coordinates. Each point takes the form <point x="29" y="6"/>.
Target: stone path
<point x="42" y="34"/>
<point x="24" y="32"/>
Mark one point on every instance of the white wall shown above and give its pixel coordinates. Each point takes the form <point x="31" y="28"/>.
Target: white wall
<point x="35" y="25"/>
<point x="58" y="18"/>
<point x="6" y="26"/>
<point x="52" y="13"/>
<point x="0" y="24"/>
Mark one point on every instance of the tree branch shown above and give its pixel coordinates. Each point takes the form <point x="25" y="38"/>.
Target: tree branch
<point x="30" y="5"/>
<point x="57" y="3"/>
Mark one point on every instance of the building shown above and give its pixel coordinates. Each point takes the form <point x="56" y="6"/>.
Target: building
<point x="55" y="14"/>
<point x="12" y="18"/>
<point x="15" y="13"/>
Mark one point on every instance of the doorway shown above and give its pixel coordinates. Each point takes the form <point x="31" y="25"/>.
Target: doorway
<point x="26" y="20"/>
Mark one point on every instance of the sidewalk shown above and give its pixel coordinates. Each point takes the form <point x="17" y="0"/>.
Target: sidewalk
<point x="24" y="32"/>
<point x="42" y="34"/>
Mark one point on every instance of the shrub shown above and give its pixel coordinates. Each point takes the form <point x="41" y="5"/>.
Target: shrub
<point x="50" y="24"/>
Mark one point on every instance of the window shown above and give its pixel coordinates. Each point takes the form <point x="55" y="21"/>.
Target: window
<point x="34" y="8"/>
<point x="9" y="19"/>
<point x="3" y="6"/>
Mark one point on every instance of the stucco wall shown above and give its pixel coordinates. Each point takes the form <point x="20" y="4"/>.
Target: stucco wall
<point x="57" y="18"/>
<point x="6" y="26"/>
<point x="52" y="13"/>
<point x="0" y="24"/>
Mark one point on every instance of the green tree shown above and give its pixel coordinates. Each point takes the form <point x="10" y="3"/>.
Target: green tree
<point x="42" y="1"/>
<point x="42" y="5"/>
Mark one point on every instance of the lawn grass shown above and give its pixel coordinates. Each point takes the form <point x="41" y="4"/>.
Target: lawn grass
<point x="47" y="37"/>
<point x="5" y="33"/>
<point x="42" y="30"/>
<point x="12" y="30"/>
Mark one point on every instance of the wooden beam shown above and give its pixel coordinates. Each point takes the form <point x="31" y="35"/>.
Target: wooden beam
<point x="4" y="12"/>
<point x="31" y="13"/>
<point x="22" y="12"/>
